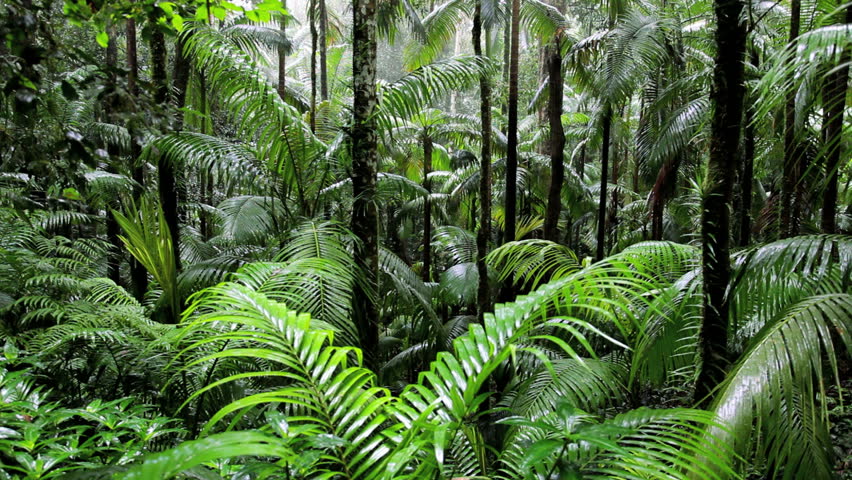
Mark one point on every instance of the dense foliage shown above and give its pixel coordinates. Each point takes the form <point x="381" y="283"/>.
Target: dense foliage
<point x="330" y="240"/>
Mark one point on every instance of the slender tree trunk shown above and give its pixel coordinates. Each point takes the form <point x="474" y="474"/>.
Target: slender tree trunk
<point x="792" y="152"/>
<point x="313" y="27"/>
<point x="606" y="126"/>
<point x="323" y="49"/>
<point x="507" y="47"/>
<point x="511" y="205"/>
<point x="206" y="178"/>
<point x="727" y="99"/>
<point x="166" y="180"/>
<point x="484" y="293"/>
<point x="557" y="141"/>
<point x="612" y="210"/>
<point x="747" y="181"/>
<point x="365" y="222"/>
<point x="167" y="170"/>
<point x="282" y="61"/>
<point x="113" y="230"/>
<point x="834" y="99"/>
<point x="158" y="66"/>
<point x="427" y="208"/>
<point x="180" y="82"/>
<point x="138" y="274"/>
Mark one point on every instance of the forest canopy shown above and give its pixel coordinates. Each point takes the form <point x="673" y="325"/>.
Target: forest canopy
<point x="407" y="239"/>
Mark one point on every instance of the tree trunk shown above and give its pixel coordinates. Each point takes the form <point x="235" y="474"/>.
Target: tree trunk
<point x="792" y="153"/>
<point x="427" y="208"/>
<point x="511" y="199"/>
<point x="507" y="47"/>
<point x="484" y="293"/>
<point x="727" y="99"/>
<point x="138" y="274"/>
<point x="557" y="142"/>
<point x="166" y="181"/>
<point x="313" y="27"/>
<point x="606" y="126"/>
<point x="282" y="60"/>
<point x="166" y="170"/>
<point x="112" y="228"/>
<point x="747" y="181"/>
<point x="612" y="210"/>
<point x="323" y="49"/>
<point x="180" y="82"/>
<point x="834" y="99"/>
<point x="364" y="140"/>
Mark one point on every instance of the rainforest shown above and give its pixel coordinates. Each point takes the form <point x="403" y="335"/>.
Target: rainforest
<point x="425" y="239"/>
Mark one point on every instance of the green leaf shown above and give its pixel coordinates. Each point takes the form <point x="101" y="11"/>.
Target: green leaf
<point x="103" y="39"/>
<point x="177" y="22"/>
<point x="540" y="451"/>
<point x="71" y="193"/>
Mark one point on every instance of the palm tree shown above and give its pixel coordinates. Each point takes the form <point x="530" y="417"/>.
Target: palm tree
<point x="557" y="138"/>
<point x="834" y="102"/>
<point x="484" y="234"/>
<point x="727" y="98"/>
<point x="138" y="275"/>
<point x="167" y="170"/>
<point x="364" y="140"/>
<point x="511" y="197"/>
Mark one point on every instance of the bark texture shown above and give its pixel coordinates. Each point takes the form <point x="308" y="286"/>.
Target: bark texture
<point x="110" y="110"/>
<point x="511" y="205"/>
<point x="138" y="274"/>
<point x="747" y="180"/>
<point x="364" y="173"/>
<point x="484" y="233"/>
<point x="323" y="49"/>
<point x="427" y="208"/>
<point x="314" y="42"/>
<point x="282" y="61"/>
<point x="557" y="142"/>
<point x="792" y="152"/>
<point x="606" y="126"/>
<point x="727" y="99"/>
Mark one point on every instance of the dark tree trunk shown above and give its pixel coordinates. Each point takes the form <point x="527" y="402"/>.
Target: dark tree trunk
<point x="364" y="140"/>
<point x="606" y="125"/>
<point x="834" y="99"/>
<point x="792" y="152"/>
<point x="166" y="170"/>
<point x="313" y="26"/>
<point x="727" y="99"/>
<point x="427" y="209"/>
<point x="323" y="49"/>
<point x="166" y="181"/>
<point x="612" y="210"/>
<point x="747" y="181"/>
<point x="282" y="61"/>
<point x="180" y="82"/>
<point x="511" y="198"/>
<point x="557" y="142"/>
<point x="206" y="178"/>
<point x="507" y="47"/>
<point x="110" y="107"/>
<point x="138" y="274"/>
<point x="483" y="293"/>
<point x="158" y="67"/>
